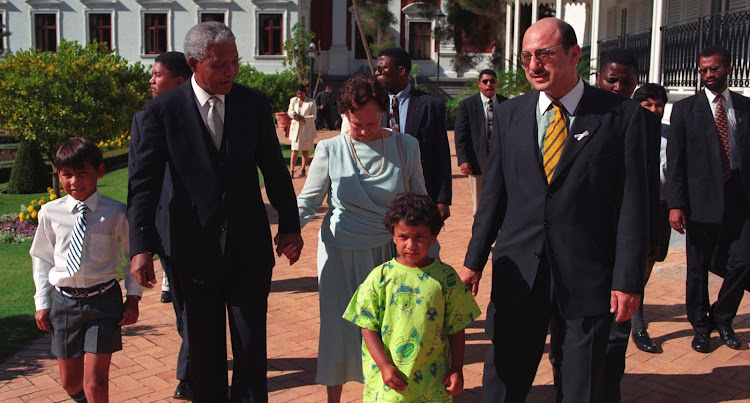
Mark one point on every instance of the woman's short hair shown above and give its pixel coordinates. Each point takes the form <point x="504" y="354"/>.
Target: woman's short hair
<point x="301" y="87"/>
<point x="359" y="90"/>
<point x="413" y="210"/>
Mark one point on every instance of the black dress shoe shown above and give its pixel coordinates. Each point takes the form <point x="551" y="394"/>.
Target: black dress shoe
<point x="166" y="297"/>
<point x="643" y="341"/>
<point x="183" y="391"/>
<point x="730" y="338"/>
<point x="700" y="342"/>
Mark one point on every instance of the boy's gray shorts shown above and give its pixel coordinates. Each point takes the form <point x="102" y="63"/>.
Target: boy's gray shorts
<point x="86" y="324"/>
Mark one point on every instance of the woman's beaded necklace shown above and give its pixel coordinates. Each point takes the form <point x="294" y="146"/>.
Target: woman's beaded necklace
<point x="359" y="162"/>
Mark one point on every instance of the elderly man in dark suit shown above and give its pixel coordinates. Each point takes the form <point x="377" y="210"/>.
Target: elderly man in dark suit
<point x="169" y="71"/>
<point x="474" y="121"/>
<point x="420" y="115"/>
<point x="567" y="183"/>
<point x="708" y="188"/>
<point x="219" y="237"/>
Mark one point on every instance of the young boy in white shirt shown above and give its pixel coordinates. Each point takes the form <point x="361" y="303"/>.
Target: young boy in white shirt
<point x="75" y="256"/>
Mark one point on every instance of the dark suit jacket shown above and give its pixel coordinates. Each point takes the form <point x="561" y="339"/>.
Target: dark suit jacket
<point x="216" y="201"/>
<point x="471" y="131"/>
<point x="591" y="221"/>
<point x="425" y="120"/>
<point x="695" y="180"/>
<point x="162" y="216"/>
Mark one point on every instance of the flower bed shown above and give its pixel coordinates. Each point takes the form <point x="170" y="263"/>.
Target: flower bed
<point x="13" y="230"/>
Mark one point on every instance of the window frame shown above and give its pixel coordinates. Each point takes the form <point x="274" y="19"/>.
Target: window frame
<point x="431" y="45"/>
<point x="285" y="32"/>
<point x="112" y="25"/>
<point x="36" y="12"/>
<point x="169" y="28"/>
<point x="203" y="11"/>
<point x="3" y="39"/>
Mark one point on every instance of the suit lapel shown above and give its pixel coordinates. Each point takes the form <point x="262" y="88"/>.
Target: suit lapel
<point x="742" y="115"/>
<point x="192" y="122"/>
<point x="585" y="121"/>
<point x="706" y="123"/>
<point x="526" y="133"/>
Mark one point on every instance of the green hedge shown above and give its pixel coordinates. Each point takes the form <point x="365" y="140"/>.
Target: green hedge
<point x="280" y="87"/>
<point x="113" y="159"/>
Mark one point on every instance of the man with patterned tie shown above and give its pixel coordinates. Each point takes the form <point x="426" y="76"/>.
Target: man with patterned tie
<point x="422" y="116"/>
<point x="474" y="120"/>
<point x="214" y="135"/>
<point x="566" y="181"/>
<point x="708" y="188"/>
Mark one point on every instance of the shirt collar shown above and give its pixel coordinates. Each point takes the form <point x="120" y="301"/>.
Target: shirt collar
<point x="91" y="202"/>
<point x="485" y="99"/>
<point x="711" y="95"/>
<point x="569" y="101"/>
<point x="404" y="93"/>
<point x="201" y="94"/>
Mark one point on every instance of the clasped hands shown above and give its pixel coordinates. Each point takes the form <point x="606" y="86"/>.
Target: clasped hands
<point x="142" y="264"/>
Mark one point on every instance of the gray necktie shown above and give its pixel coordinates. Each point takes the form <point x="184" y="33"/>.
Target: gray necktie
<point x="215" y="124"/>
<point x="75" y="249"/>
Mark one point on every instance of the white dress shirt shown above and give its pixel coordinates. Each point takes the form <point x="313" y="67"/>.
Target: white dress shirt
<point x="106" y="230"/>
<point x="201" y="99"/>
<point x="734" y="159"/>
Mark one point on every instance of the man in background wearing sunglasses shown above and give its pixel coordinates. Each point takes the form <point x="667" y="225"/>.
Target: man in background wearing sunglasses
<point x="708" y="186"/>
<point x="566" y="181"/>
<point x="422" y="116"/>
<point x="473" y="130"/>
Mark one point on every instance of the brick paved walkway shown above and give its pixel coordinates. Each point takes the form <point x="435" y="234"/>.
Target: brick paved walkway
<point x="144" y="370"/>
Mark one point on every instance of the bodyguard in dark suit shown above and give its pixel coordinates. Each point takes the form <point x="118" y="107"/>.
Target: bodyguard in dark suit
<point x="473" y="129"/>
<point x="708" y="185"/>
<point x="169" y="71"/>
<point x="420" y="115"/>
<point x="213" y="135"/>
<point x="566" y="182"/>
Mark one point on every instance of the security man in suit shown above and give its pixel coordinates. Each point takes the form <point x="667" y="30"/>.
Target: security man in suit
<point x="169" y="71"/>
<point x="420" y="115"/>
<point x="566" y="181"/>
<point x="214" y="135"/>
<point x="473" y="129"/>
<point x="708" y="188"/>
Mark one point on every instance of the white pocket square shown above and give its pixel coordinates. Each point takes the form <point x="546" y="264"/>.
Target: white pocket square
<point x="580" y="136"/>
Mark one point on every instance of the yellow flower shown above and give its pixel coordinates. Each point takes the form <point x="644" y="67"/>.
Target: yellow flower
<point x="49" y="190"/>
<point x="21" y="216"/>
<point x="33" y="202"/>
<point x="34" y="214"/>
<point x="30" y="209"/>
<point x="41" y="201"/>
<point x="52" y="197"/>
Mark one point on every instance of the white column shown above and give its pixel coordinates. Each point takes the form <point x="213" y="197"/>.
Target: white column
<point x="654" y="75"/>
<point x="509" y="63"/>
<point x="595" y="5"/>
<point x="559" y="9"/>
<point x="534" y="10"/>
<point x="338" y="60"/>
<point x="516" y="29"/>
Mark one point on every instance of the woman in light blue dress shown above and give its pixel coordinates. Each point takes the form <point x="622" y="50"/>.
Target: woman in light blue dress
<point x="360" y="171"/>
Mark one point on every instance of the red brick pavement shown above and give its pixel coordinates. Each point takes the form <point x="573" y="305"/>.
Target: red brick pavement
<point x="144" y="370"/>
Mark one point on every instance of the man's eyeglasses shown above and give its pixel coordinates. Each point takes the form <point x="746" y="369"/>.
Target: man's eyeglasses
<point x="486" y="82"/>
<point x="541" y="54"/>
<point x="381" y="69"/>
<point x="714" y="69"/>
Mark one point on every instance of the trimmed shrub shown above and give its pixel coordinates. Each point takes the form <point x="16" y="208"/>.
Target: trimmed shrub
<point x="29" y="174"/>
<point x="280" y="87"/>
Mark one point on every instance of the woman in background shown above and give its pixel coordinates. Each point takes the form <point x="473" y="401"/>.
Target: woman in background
<point x="302" y="131"/>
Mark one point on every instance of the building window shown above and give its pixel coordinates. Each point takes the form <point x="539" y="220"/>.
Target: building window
<point x="420" y="36"/>
<point x="100" y="29"/>
<point x="156" y="33"/>
<point x="213" y="17"/>
<point x="270" y="34"/>
<point x="2" y="33"/>
<point x="45" y="32"/>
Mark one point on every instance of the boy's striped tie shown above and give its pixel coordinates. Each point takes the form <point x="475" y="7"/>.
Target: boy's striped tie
<point x="75" y="249"/>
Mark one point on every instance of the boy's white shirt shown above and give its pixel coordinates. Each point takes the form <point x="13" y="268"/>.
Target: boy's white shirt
<point x="106" y="230"/>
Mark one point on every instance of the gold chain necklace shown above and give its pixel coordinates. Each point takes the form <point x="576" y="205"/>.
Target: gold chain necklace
<point x="356" y="157"/>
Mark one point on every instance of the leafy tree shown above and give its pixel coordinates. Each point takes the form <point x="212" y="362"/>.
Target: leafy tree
<point x="296" y="47"/>
<point x="30" y="174"/>
<point x="279" y="86"/>
<point x="475" y="23"/>
<point x="89" y="92"/>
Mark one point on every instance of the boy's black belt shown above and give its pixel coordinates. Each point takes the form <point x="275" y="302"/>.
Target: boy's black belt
<point x="86" y="292"/>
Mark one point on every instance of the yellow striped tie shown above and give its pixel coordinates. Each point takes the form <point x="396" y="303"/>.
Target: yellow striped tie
<point x="554" y="140"/>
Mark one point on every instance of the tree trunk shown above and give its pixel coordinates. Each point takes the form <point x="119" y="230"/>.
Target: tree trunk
<point x="362" y="35"/>
<point x="55" y="177"/>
